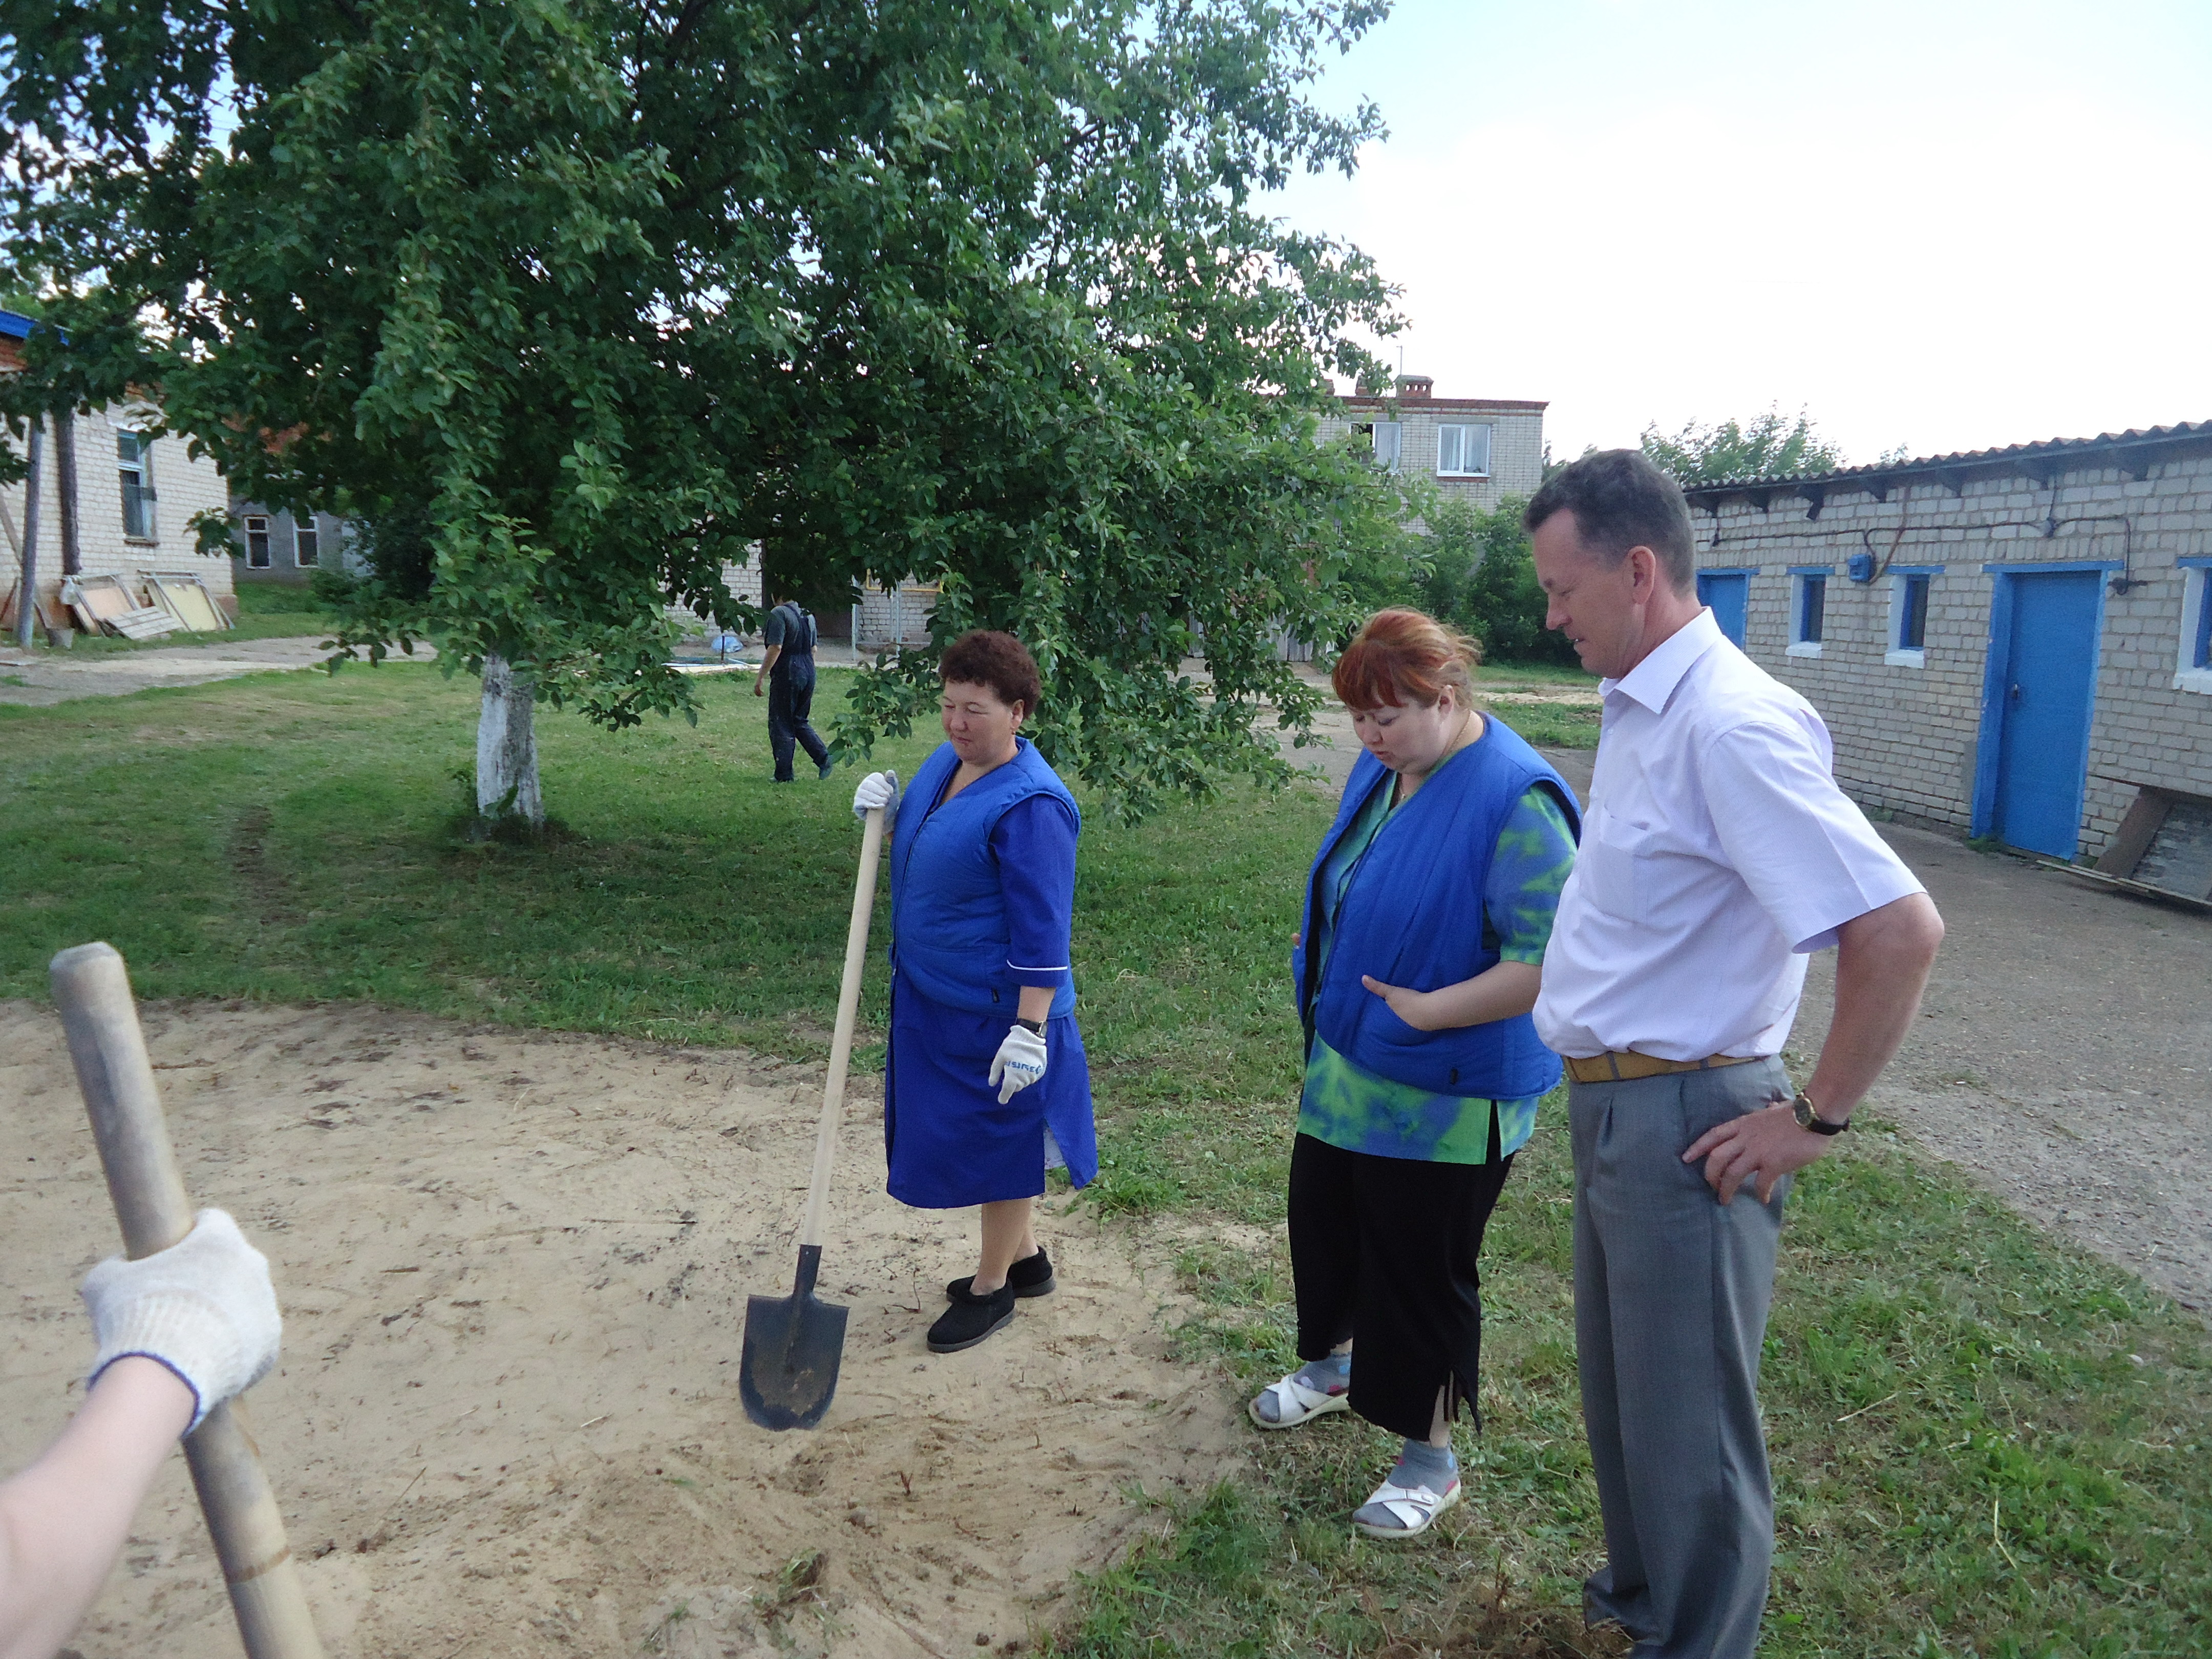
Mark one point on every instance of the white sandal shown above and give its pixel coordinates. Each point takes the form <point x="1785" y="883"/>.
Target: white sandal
<point x="1295" y="1403"/>
<point x="1417" y="1507"/>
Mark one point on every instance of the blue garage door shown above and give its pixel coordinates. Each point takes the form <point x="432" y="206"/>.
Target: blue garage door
<point x="2044" y="702"/>
<point x="1729" y="594"/>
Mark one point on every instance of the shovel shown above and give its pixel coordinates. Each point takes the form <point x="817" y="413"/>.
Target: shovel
<point x="794" y="1343"/>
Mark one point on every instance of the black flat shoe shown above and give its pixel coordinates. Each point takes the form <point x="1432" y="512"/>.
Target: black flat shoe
<point x="971" y="1319"/>
<point x="1030" y="1276"/>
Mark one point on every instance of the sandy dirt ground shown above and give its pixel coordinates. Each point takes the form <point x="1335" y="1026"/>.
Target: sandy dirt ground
<point x="514" y="1271"/>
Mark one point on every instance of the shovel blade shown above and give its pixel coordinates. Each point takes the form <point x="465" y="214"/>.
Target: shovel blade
<point x="793" y="1345"/>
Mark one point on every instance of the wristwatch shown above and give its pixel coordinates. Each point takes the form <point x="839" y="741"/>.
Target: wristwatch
<point x="1036" y="1025"/>
<point x="1809" y="1119"/>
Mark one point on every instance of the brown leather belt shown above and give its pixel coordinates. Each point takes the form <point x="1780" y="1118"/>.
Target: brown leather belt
<point x="1616" y="1067"/>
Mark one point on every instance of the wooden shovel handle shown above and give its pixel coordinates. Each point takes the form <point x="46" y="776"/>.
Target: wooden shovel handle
<point x="117" y="1078"/>
<point x="841" y="1044"/>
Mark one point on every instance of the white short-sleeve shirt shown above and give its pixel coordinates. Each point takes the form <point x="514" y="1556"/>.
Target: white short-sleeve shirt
<point x="1717" y="854"/>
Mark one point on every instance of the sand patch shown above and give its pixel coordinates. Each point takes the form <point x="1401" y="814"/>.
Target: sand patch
<point x="514" y="1269"/>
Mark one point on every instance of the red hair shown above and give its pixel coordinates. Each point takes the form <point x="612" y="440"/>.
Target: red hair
<point x="1403" y="657"/>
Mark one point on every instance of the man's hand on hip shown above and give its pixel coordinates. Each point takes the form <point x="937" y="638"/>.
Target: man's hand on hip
<point x="1762" y="1146"/>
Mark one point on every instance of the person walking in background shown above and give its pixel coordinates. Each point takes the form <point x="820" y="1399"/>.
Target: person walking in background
<point x="787" y="675"/>
<point x="177" y="1333"/>
<point x="986" y="1086"/>
<point x="1426" y="914"/>
<point x="1719" y="854"/>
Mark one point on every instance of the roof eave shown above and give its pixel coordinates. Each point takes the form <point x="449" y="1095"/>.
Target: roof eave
<point x="2130" y="452"/>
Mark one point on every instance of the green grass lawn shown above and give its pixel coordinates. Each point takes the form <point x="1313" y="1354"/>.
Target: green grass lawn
<point x="1507" y="675"/>
<point x="1985" y="1441"/>
<point x="1517" y="693"/>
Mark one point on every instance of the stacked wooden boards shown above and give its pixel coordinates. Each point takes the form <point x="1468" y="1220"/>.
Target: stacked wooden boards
<point x="170" y="602"/>
<point x="187" y="599"/>
<point x="103" y="604"/>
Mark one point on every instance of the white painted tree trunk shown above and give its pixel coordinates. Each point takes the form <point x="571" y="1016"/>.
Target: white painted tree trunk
<point x="507" y="746"/>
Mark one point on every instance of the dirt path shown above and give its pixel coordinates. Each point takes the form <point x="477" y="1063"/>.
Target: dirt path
<point x="2063" y="1058"/>
<point x="44" y="677"/>
<point x="513" y="1269"/>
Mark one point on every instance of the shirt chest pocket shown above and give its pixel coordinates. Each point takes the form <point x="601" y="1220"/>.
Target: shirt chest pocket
<point x="1607" y="864"/>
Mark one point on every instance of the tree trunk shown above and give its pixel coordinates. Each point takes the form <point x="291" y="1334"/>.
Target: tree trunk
<point x="507" y="746"/>
<point x="65" y="489"/>
<point x="26" y="592"/>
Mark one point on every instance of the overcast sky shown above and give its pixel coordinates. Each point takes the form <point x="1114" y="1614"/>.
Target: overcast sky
<point x="1945" y="225"/>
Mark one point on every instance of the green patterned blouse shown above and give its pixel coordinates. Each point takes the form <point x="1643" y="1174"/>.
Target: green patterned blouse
<point x="1355" y="1109"/>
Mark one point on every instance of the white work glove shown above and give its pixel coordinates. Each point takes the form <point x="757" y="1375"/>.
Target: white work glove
<point x="877" y="789"/>
<point x="203" y="1307"/>
<point x="1018" y="1063"/>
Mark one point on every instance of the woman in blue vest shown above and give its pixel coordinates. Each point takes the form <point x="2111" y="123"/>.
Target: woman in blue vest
<point x="1426" y="915"/>
<point x="986" y="1087"/>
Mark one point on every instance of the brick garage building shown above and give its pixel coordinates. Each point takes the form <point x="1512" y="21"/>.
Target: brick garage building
<point x="2015" y="643"/>
<point x="1477" y="450"/>
<point x="132" y="497"/>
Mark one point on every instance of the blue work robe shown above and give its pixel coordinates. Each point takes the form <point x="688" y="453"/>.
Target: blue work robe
<point x="982" y="899"/>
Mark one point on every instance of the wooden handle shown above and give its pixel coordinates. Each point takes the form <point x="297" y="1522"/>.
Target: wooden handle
<point x="116" y="1077"/>
<point x="841" y="1044"/>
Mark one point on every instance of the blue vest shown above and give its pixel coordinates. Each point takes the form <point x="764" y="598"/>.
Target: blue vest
<point x="1412" y="915"/>
<point x="949" y="934"/>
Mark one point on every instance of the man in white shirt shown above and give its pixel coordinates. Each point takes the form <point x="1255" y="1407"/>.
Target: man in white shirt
<point x="1717" y="853"/>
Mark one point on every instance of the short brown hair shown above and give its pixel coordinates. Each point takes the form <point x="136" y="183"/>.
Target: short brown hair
<point x="983" y="656"/>
<point x="1620" y="500"/>
<point x="1402" y="657"/>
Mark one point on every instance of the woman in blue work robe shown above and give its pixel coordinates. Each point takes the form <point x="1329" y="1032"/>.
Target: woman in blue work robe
<point x="986" y="1087"/>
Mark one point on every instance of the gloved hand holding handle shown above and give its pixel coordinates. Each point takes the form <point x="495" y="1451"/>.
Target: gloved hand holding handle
<point x="203" y="1308"/>
<point x="93" y="993"/>
<point x="877" y="789"/>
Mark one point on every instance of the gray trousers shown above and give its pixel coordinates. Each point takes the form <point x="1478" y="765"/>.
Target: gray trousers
<point x="1671" y="1294"/>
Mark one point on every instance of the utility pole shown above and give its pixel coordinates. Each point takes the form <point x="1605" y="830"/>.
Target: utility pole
<point x="27" y="593"/>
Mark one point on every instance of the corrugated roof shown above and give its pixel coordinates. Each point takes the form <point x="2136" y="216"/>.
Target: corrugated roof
<point x="2011" y="455"/>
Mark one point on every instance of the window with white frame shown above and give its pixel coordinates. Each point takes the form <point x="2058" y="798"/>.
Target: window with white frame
<point x="1462" y="451"/>
<point x="256" y="542"/>
<point x="1388" y="437"/>
<point x="1909" y="592"/>
<point x="2192" y="671"/>
<point x="306" y="543"/>
<point x="1808" y="612"/>
<point x="134" y="463"/>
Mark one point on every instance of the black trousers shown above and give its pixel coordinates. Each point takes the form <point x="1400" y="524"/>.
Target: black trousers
<point x="1383" y="1252"/>
<point x="790" y="699"/>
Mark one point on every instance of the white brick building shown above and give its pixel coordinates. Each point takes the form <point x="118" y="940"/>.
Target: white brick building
<point x="883" y="620"/>
<point x="1472" y="449"/>
<point x="2016" y="643"/>
<point x="134" y="498"/>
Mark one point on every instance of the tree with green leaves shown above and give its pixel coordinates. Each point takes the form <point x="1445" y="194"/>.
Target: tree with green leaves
<point x="575" y="300"/>
<point x="1482" y="577"/>
<point x="1770" y="446"/>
